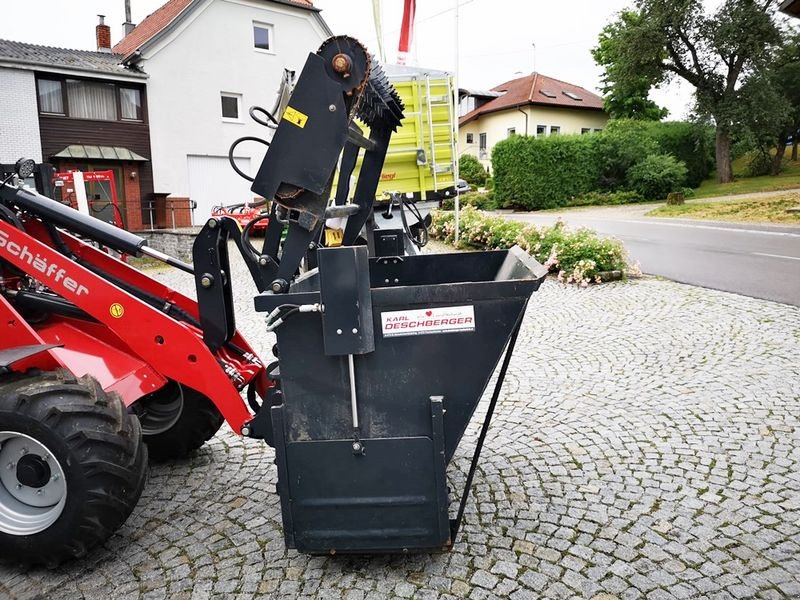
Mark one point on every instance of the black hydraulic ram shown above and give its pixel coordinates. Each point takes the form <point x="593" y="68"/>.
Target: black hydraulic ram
<point x="66" y="217"/>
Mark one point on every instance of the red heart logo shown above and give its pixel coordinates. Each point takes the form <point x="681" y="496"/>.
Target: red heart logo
<point x="428" y="313"/>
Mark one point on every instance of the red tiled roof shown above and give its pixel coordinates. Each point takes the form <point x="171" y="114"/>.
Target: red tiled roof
<point x="540" y="90"/>
<point x="163" y="16"/>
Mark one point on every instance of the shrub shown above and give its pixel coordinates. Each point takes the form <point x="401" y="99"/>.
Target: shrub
<point x="577" y="257"/>
<point x="471" y="170"/>
<point x="479" y="200"/>
<point x="535" y="173"/>
<point x="691" y="143"/>
<point x="623" y="144"/>
<point x="758" y="163"/>
<point x="656" y="176"/>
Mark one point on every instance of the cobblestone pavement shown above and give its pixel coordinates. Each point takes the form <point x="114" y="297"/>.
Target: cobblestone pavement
<point x="647" y="446"/>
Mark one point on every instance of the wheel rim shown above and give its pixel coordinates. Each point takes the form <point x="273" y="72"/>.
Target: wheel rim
<point x="162" y="410"/>
<point x="33" y="489"/>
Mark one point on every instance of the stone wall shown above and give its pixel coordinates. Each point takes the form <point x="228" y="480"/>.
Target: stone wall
<point x="175" y="242"/>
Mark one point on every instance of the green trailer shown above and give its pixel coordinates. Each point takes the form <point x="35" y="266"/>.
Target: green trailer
<point x="420" y="159"/>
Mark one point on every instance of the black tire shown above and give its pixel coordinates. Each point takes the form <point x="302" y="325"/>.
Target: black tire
<point x="98" y="448"/>
<point x="198" y="422"/>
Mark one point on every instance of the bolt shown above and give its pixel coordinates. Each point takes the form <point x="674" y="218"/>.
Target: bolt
<point x="386" y="281"/>
<point x="338" y="332"/>
<point x="396" y="280"/>
<point x="212" y="223"/>
<point x="19" y="486"/>
<point x="55" y="477"/>
<point x="206" y="281"/>
<point x="341" y="64"/>
<point x="11" y="466"/>
<point x="39" y="492"/>
<point x="245" y="430"/>
<point x="355" y="330"/>
<point x="356" y="447"/>
<point x="24" y="451"/>
<point x="263" y="261"/>
<point x="332" y="108"/>
<point x="312" y="246"/>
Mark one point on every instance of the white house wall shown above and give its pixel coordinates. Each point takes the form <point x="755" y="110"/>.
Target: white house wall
<point x="497" y="124"/>
<point x="210" y="53"/>
<point x="19" y="117"/>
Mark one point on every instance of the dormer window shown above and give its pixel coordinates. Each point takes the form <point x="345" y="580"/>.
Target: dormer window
<point x="573" y="96"/>
<point x="263" y="37"/>
<point x="547" y="93"/>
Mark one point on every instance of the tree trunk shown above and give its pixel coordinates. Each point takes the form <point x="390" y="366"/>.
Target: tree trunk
<point x="777" y="160"/>
<point x="723" y="154"/>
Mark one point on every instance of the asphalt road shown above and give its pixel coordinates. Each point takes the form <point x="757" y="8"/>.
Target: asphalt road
<point x="762" y="261"/>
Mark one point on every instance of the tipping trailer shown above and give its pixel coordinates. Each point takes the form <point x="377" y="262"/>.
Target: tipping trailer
<point x="382" y="357"/>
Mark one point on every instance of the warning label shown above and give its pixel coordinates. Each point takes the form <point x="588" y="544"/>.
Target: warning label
<point x="426" y="321"/>
<point x="295" y="116"/>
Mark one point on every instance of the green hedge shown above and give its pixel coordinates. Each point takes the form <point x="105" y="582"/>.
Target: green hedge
<point x="538" y="173"/>
<point x="580" y="256"/>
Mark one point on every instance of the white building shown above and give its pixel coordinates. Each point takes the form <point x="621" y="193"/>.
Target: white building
<point x="208" y="62"/>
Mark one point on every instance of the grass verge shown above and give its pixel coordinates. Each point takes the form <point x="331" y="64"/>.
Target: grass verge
<point x="756" y="210"/>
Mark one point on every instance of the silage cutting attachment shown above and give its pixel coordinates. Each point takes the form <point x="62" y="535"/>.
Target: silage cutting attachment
<point x="382" y="359"/>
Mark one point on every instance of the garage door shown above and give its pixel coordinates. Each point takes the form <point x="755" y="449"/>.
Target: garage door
<point x="212" y="182"/>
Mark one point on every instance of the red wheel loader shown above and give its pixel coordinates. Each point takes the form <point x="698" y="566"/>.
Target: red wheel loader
<point x="101" y="365"/>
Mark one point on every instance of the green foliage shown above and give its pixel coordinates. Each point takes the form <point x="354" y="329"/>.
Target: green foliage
<point x="690" y="143"/>
<point x="578" y="257"/>
<point x="625" y="95"/>
<point x="471" y="170"/>
<point x="536" y="173"/>
<point x="479" y="200"/>
<point x="657" y="175"/>
<point x="758" y="163"/>
<point x="605" y="198"/>
<point x="623" y="143"/>
<point x="716" y="53"/>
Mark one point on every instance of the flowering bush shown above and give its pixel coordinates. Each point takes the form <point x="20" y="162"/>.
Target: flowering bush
<point x="579" y="257"/>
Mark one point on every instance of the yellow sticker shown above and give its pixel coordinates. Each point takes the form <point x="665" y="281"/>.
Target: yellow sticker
<point x="116" y="310"/>
<point x="295" y="116"/>
<point x="333" y="237"/>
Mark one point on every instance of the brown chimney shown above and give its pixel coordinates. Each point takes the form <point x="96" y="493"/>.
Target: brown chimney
<point x="103" y="33"/>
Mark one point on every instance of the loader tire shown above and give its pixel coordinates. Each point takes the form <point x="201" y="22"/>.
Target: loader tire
<point x="197" y="421"/>
<point x="73" y="466"/>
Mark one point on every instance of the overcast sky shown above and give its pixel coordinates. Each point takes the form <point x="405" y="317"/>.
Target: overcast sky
<point x="496" y="36"/>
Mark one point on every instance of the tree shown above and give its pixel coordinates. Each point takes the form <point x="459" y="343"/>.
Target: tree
<point x="624" y="97"/>
<point x="717" y="54"/>
<point x="471" y="170"/>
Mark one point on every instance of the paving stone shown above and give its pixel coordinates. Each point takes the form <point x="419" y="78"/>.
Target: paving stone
<point x="645" y="446"/>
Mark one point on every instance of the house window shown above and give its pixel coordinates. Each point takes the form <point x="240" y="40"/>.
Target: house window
<point x="230" y="106"/>
<point x="598" y="130"/>
<point x="482" y="145"/>
<point x="51" y="97"/>
<point x="470" y="138"/>
<point x="263" y="36"/>
<point x="91" y="100"/>
<point x="130" y="102"/>
<point x="585" y="130"/>
<point x="512" y="131"/>
<point x="555" y="129"/>
<point x="541" y="130"/>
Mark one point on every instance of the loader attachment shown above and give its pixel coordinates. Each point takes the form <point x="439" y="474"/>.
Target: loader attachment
<point x="378" y="390"/>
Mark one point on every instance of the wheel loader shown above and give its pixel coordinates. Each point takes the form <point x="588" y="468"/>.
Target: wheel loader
<point x="382" y="353"/>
